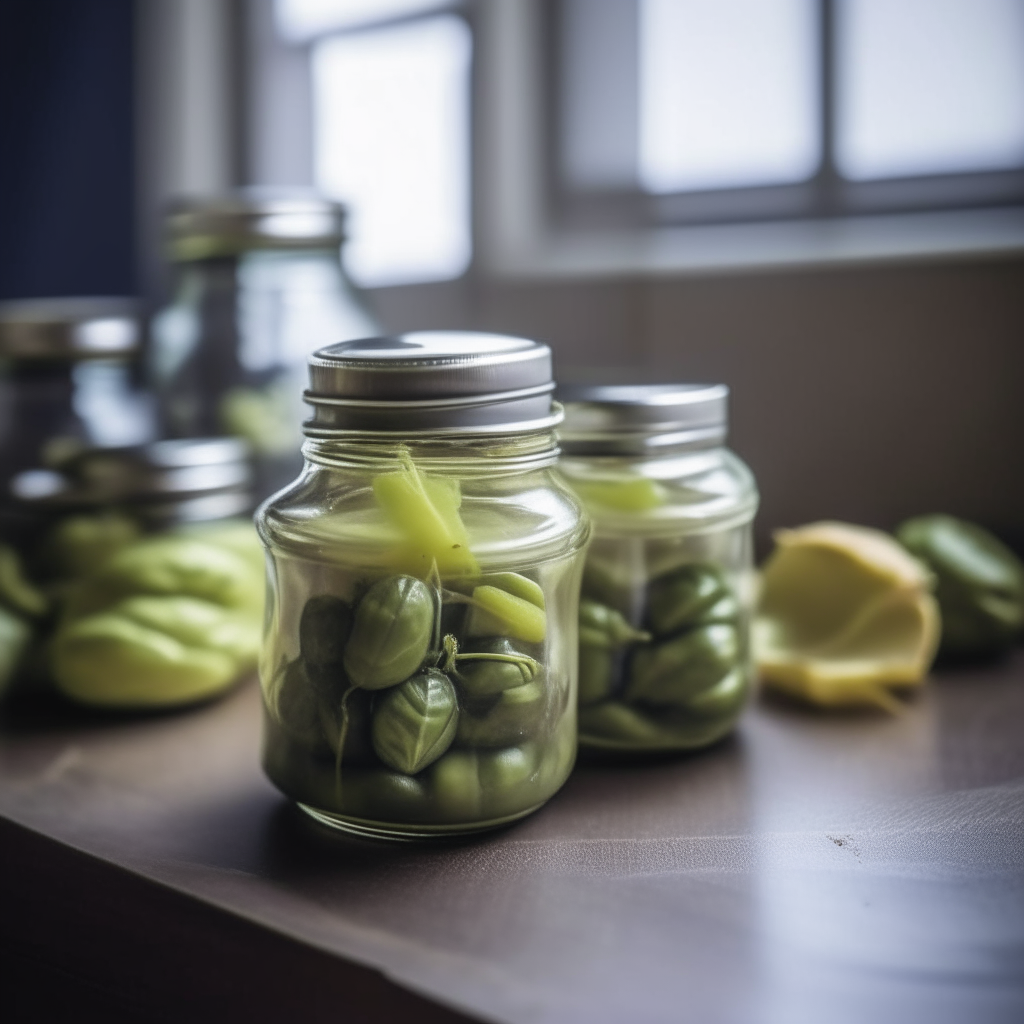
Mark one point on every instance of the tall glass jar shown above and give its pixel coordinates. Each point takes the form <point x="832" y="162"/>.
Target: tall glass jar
<point x="419" y="660"/>
<point x="665" y="658"/>
<point x="260" y="285"/>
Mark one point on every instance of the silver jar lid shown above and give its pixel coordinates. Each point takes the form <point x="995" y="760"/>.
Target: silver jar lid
<point x="68" y="329"/>
<point x="621" y="419"/>
<point x="163" y="470"/>
<point x="200" y="227"/>
<point x="432" y="382"/>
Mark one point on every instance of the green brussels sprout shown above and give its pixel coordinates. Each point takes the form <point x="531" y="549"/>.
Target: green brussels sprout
<point x="376" y="795"/>
<point x="163" y="622"/>
<point x="324" y="630"/>
<point x="347" y="723"/>
<point x="693" y="595"/>
<point x="980" y="583"/>
<point x="675" y="671"/>
<point x="15" y="591"/>
<point x="391" y="634"/>
<point x="15" y="636"/>
<point x="603" y="632"/>
<point x="481" y="785"/>
<point x="512" y="717"/>
<point x="293" y="704"/>
<point x="415" y="723"/>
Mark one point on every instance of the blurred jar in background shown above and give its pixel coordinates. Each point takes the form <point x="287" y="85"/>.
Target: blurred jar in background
<point x="65" y="382"/>
<point x="259" y="286"/>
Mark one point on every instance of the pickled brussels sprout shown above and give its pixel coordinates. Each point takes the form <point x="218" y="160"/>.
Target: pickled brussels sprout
<point x="415" y="722"/>
<point x="392" y="631"/>
<point x="680" y="684"/>
<point x="163" y="622"/>
<point x="979" y="584"/>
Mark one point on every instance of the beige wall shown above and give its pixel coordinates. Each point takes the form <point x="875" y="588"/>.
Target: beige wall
<point x="864" y="394"/>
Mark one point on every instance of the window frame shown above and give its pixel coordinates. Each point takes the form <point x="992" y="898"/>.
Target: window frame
<point x="827" y="195"/>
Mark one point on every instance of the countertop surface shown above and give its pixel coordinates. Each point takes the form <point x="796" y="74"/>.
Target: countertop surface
<point x="839" y="868"/>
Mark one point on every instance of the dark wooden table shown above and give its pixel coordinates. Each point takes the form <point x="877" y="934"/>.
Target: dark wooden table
<point x="813" y="869"/>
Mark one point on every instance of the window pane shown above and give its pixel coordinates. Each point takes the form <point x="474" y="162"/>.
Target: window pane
<point x="929" y="86"/>
<point x="303" y="19"/>
<point x="728" y="93"/>
<point x="392" y="140"/>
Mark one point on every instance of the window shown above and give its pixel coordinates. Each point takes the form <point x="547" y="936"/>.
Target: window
<point x="701" y="111"/>
<point x="390" y="118"/>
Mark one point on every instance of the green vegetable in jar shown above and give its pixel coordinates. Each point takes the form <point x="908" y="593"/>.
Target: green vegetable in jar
<point x="492" y="784"/>
<point x="295" y="707"/>
<point x="613" y="726"/>
<point x="980" y="583"/>
<point x="415" y="723"/>
<point x="675" y="671"/>
<point x="491" y="666"/>
<point x="603" y="632"/>
<point x="391" y="633"/>
<point x="376" y="795"/>
<point x="163" y="622"/>
<point x="690" y="596"/>
<point x="513" y="716"/>
<point x="324" y="630"/>
<point x="497" y="612"/>
<point x="347" y="723"/>
<point x="16" y="592"/>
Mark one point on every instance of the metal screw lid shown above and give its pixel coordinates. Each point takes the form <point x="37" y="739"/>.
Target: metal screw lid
<point x="449" y="382"/>
<point x="68" y="329"/>
<point x="200" y="227"/>
<point x="161" y="470"/>
<point x="631" y="418"/>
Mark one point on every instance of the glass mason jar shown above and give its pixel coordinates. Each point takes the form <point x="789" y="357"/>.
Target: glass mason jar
<point x="666" y="603"/>
<point x="260" y="285"/>
<point x="137" y="582"/>
<point x="419" y="659"/>
<point x="65" y="383"/>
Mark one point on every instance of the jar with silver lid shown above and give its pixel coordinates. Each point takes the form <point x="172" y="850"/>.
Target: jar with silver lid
<point x="137" y="578"/>
<point x="665" y="659"/>
<point x="65" y="381"/>
<point x="259" y="285"/>
<point x="419" y="660"/>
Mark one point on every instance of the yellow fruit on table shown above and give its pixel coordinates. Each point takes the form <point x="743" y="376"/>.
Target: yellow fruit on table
<point x="845" y="617"/>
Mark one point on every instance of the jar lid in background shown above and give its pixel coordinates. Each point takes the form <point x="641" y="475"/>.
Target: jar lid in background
<point x="68" y="329"/>
<point x="162" y="471"/>
<point x="200" y="227"/>
<point x="624" y="419"/>
<point x="438" y="382"/>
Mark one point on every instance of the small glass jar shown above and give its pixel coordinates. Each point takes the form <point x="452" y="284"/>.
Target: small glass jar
<point x="259" y="286"/>
<point x="65" y="382"/>
<point x="666" y="603"/>
<point x="419" y="660"/>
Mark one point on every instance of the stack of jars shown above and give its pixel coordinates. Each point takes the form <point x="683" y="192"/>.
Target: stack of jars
<point x="425" y="647"/>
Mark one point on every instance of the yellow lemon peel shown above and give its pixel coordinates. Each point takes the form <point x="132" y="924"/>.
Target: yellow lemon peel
<point x="845" y="617"/>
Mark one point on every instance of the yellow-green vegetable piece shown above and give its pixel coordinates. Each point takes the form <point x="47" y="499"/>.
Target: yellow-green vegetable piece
<point x="15" y="591"/>
<point x="110" y="659"/>
<point x="426" y="511"/>
<point x="496" y="612"/>
<point x="520" y="586"/>
<point x="237" y="535"/>
<point x="15" y="635"/>
<point x="165" y="621"/>
<point x="845" y="616"/>
<point x="79" y="545"/>
<point x="171" y="566"/>
<point x="628" y="494"/>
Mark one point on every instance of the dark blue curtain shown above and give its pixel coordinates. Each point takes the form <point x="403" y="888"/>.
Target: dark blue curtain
<point x="66" y="148"/>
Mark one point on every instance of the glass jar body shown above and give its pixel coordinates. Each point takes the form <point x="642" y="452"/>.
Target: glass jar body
<point x="667" y="599"/>
<point x="229" y="352"/>
<point x="419" y="658"/>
